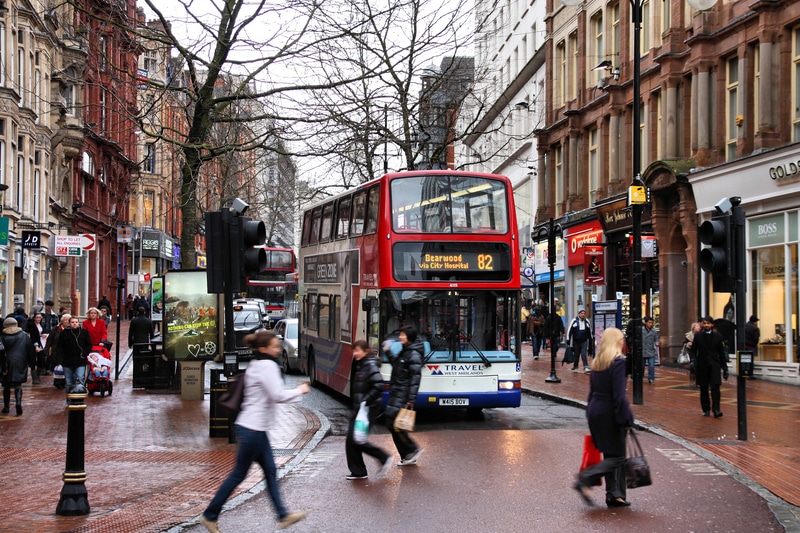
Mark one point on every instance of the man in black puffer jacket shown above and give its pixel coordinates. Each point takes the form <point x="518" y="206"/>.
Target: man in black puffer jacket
<point x="19" y="355"/>
<point x="403" y="388"/>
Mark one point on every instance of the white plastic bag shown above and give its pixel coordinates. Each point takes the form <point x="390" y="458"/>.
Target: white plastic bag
<point x="683" y="357"/>
<point x="361" y="427"/>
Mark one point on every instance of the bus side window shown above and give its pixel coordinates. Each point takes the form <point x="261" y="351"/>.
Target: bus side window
<point x="316" y="215"/>
<point x="343" y="218"/>
<point x="372" y="209"/>
<point x="306" y="228"/>
<point x="324" y="314"/>
<point x="327" y="223"/>
<point x="313" y="317"/>
<point x="359" y="213"/>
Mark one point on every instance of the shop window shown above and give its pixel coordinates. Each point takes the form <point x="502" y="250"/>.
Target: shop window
<point x="770" y="285"/>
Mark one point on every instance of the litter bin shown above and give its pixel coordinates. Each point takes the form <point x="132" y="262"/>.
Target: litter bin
<point x="219" y="422"/>
<point x="143" y="366"/>
<point x="164" y="371"/>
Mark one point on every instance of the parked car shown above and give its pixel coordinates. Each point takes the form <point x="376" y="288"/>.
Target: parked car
<point x="287" y="329"/>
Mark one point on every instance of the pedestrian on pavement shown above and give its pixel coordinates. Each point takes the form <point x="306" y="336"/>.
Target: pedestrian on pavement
<point x="38" y="307"/>
<point x="581" y="337"/>
<point x="263" y="390"/>
<point x="609" y="416"/>
<point x="130" y="310"/>
<point x="141" y="330"/>
<point x="525" y="314"/>
<point x="104" y="303"/>
<point x="74" y="345"/>
<point x="21" y="317"/>
<point x="708" y="358"/>
<point x="649" y="348"/>
<point x="17" y="356"/>
<point x="34" y="331"/>
<point x="97" y="328"/>
<point x="406" y="363"/>
<point x="49" y="318"/>
<point x="752" y="334"/>
<point x="366" y="386"/>
<point x="535" y="331"/>
<point x="51" y="345"/>
<point x="105" y="317"/>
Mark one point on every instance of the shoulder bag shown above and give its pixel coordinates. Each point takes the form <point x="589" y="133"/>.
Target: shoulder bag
<point x="233" y="397"/>
<point x="637" y="471"/>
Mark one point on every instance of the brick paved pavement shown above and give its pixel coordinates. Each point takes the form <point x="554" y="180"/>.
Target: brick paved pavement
<point x="149" y="461"/>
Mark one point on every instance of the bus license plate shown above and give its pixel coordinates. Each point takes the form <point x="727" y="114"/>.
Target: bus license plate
<point x="454" y="401"/>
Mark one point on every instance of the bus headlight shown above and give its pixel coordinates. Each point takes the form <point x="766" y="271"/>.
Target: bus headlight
<point x="509" y="385"/>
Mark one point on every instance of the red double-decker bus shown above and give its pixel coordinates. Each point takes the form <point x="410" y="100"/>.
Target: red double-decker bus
<point x="438" y="250"/>
<point x="270" y="284"/>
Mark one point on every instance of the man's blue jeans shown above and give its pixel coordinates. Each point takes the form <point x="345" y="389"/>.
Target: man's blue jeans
<point x="74" y="376"/>
<point x="651" y="368"/>
<point x="253" y="447"/>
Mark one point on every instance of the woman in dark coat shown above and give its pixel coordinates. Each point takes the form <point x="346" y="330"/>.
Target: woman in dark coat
<point x="366" y="386"/>
<point x="609" y="418"/>
<point x="403" y="388"/>
<point x="35" y="333"/>
<point x="17" y="357"/>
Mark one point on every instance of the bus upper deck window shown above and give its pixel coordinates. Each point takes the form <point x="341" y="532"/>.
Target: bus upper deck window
<point x="327" y="223"/>
<point x="372" y="209"/>
<point x="313" y="237"/>
<point x="343" y="218"/>
<point x="359" y="213"/>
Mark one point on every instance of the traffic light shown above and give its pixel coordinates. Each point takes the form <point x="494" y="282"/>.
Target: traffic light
<point x="718" y="259"/>
<point x="247" y="253"/>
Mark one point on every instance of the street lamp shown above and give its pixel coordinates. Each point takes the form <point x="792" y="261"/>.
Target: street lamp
<point x="550" y="232"/>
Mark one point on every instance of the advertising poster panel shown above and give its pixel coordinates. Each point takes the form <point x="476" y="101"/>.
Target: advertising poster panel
<point x="336" y="268"/>
<point x="191" y="316"/>
<point x="157" y="291"/>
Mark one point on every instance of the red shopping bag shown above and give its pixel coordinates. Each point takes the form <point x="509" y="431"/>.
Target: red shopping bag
<point x="591" y="455"/>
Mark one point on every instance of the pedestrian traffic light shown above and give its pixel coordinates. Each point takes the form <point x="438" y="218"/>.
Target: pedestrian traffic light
<point x="718" y="258"/>
<point x="247" y="250"/>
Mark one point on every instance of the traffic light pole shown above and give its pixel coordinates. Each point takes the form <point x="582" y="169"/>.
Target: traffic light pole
<point x="739" y="262"/>
<point x="551" y="231"/>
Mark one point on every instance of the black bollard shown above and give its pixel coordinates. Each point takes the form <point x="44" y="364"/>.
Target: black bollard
<point x="74" y="499"/>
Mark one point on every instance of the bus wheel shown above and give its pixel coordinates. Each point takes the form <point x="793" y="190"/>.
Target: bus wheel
<point x="285" y="362"/>
<point x="312" y="369"/>
<point x="475" y="413"/>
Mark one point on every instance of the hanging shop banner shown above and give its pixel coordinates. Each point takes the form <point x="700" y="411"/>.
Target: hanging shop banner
<point x="594" y="265"/>
<point x="580" y="236"/>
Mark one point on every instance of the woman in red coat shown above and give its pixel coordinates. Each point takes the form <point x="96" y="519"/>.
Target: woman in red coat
<point x="96" y="326"/>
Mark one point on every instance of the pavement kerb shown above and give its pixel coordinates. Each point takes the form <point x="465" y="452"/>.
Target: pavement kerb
<point x="785" y="513"/>
<point x="258" y="488"/>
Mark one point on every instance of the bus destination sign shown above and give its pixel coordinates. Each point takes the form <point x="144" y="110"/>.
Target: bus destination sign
<point x="460" y="261"/>
<point x="463" y="261"/>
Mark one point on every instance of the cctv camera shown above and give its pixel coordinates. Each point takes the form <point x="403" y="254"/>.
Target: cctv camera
<point x="724" y="205"/>
<point x="684" y="263"/>
<point x="240" y="206"/>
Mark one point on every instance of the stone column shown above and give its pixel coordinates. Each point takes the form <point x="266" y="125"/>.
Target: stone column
<point x="613" y="150"/>
<point x="670" y="120"/>
<point x="703" y="108"/>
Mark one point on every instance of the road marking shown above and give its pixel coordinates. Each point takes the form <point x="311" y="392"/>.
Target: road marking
<point x="691" y="462"/>
<point x="313" y="464"/>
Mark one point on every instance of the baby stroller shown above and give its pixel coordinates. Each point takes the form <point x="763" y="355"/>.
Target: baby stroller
<point x="98" y="371"/>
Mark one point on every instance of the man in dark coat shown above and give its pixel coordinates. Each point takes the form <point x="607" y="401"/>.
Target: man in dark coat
<point x="104" y="302"/>
<point x="752" y="334"/>
<point x="18" y="356"/>
<point x="141" y="330"/>
<point x="403" y="388"/>
<point x="50" y="319"/>
<point x="74" y="344"/>
<point x="708" y="358"/>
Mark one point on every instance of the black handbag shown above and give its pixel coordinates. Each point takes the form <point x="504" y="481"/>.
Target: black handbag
<point x="569" y="356"/>
<point x="637" y="471"/>
<point x="233" y="397"/>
